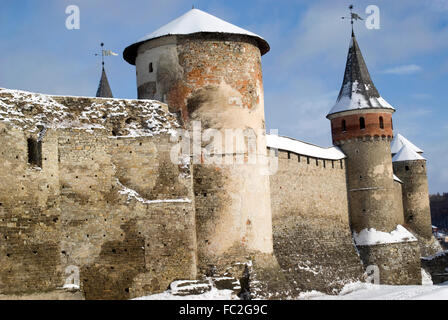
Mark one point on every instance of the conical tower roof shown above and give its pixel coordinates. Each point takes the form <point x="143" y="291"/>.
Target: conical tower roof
<point x="358" y="90"/>
<point x="407" y="154"/>
<point x="104" y="90"/>
<point x="399" y="141"/>
<point x="194" y="21"/>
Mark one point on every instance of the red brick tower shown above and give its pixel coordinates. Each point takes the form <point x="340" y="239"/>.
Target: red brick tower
<point x="361" y="125"/>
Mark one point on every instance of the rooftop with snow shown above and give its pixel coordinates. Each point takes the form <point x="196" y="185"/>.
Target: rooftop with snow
<point x="358" y="90"/>
<point x="194" y="21"/>
<point x="303" y="148"/>
<point x="399" y="141"/>
<point x="407" y="154"/>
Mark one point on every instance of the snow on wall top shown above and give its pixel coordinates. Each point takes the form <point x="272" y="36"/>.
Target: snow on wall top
<point x="399" y="141"/>
<point x="28" y="111"/>
<point x="368" y="237"/>
<point x="358" y="90"/>
<point x="407" y="154"/>
<point x="397" y="179"/>
<point x="194" y="21"/>
<point x="303" y="148"/>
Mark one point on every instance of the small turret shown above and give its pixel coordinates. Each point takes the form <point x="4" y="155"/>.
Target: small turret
<point x="410" y="167"/>
<point x="104" y="90"/>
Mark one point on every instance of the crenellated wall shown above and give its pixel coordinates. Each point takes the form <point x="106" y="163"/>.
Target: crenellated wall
<point x="312" y="237"/>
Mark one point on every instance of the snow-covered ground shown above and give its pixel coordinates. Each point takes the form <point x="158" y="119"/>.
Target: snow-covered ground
<point x="213" y="294"/>
<point x="352" y="291"/>
<point x="366" y="291"/>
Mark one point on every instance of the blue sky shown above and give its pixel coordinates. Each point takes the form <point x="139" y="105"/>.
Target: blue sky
<point x="407" y="57"/>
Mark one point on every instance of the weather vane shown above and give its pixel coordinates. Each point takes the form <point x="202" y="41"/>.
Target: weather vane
<point x="105" y="53"/>
<point x="353" y="16"/>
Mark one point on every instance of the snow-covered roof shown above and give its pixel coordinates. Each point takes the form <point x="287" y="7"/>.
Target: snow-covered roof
<point x="397" y="179"/>
<point x="399" y="141"/>
<point x="194" y="21"/>
<point x="303" y="148"/>
<point x="358" y="90"/>
<point x="407" y="154"/>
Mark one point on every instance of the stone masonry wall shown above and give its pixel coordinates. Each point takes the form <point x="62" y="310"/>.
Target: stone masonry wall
<point x="106" y="199"/>
<point x="370" y="184"/>
<point x="398" y="263"/>
<point x="312" y="238"/>
<point x="30" y="229"/>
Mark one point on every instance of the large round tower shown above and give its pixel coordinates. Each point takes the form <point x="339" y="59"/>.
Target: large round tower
<point x="209" y="70"/>
<point x="361" y="125"/>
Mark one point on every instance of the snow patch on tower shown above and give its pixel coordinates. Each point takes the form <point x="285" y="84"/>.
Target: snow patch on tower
<point x="368" y="237"/>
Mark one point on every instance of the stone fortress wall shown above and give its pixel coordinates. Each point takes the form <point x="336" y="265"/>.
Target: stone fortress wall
<point x="311" y="229"/>
<point x="89" y="187"/>
<point x="105" y="197"/>
<point x="102" y="195"/>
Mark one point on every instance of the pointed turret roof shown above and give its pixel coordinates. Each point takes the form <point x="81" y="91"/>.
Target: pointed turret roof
<point x="399" y="141"/>
<point x="104" y="90"/>
<point x="407" y="154"/>
<point x="358" y="90"/>
<point x="194" y="21"/>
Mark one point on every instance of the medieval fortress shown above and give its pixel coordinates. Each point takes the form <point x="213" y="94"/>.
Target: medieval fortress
<point x="92" y="201"/>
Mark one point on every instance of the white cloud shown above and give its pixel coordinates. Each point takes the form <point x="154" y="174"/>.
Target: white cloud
<point x="421" y="96"/>
<point x="403" y="70"/>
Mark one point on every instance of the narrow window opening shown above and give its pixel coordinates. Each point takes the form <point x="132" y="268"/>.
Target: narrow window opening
<point x="307" y="160"/>
<point x="151" y="69"/>
<point x="392" y="124"/>
<point x="342" y="166"/>
<point x="289" y="155"/>
<point x="317" y="162"/>
<point x="344" y="126"/>
<point x="34" y="152"/>
<point x="381" y="123"/>
<point x="362" y="123"/>
<point x="298" y="157"/>
<point x="407" y="168"/>
<point x="332" y="164"/>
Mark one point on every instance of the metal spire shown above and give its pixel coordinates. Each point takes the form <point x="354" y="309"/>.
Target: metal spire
<point x="104" y="90"/>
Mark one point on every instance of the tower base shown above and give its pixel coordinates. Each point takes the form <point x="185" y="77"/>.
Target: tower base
<point x="396" y="263"/>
